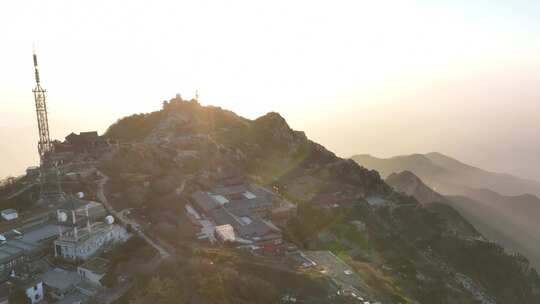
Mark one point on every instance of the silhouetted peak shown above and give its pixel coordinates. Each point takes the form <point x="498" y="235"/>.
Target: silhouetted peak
<point x="404" y="175"/>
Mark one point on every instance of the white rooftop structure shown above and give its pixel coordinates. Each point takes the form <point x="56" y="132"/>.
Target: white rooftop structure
<point x="9" y="214"/>
<point x="249" y="195"/>
<point x="220" y="199"/>
<point x="225" y="233"/>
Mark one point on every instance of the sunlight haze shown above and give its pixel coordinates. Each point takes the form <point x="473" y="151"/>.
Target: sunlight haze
<point x="377" y="77"/>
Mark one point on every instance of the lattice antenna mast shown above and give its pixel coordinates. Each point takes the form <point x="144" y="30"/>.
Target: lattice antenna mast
<point x="44" y="144"/>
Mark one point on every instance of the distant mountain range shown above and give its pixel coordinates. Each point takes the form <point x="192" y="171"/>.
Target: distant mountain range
<point x="448" y="175"/>
<point x="408" y="183"/>
<point x="511" y="218"/>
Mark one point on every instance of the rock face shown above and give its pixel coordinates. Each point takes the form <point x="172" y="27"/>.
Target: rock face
<point x="279" y="130"/>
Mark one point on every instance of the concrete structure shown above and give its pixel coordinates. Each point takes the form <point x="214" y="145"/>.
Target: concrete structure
<point x="81" y="238"/>
<point x="93" y="270"/>
<point x="241" y="214"/>
<point x="67" y="287"/>
<point x="31" y="286"/>
<point x="25" y="244"/>
<point x="82" y="208"/>
<point x="13" y="253"/>
<point x="60" y="282"/>
<point x="248" y="229"/>
<point x="84" y="243"/>
<point x="225" y="233"/>
<point x="245" y="196"/>
<point x="9" y="214"/>
<point x="34" y="291"/>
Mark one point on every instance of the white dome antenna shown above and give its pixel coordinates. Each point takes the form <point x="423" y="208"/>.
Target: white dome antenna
<point x="109" y="219"/>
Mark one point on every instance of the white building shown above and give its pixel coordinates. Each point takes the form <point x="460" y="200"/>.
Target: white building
<point x="225" y="233"/>
<point x="32" y="287"/>
<point x="84" y="243"/>
<point x="9" y="214"/>
<point x="34" y="291"/>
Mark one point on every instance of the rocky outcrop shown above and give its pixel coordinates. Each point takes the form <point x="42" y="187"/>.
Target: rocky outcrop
<point x="277" y="130"/>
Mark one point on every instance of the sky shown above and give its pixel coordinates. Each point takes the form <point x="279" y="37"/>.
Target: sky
<point x="379" y="77"/>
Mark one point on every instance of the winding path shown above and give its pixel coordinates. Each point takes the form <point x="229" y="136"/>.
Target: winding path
<point x="124" y="220"/>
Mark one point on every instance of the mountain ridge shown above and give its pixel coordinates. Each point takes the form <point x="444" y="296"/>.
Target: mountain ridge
<point x="507" y="219"/>
<point x="332" y="195"/>
<point x="449" y="175"/>
<point x="410" y="184"/>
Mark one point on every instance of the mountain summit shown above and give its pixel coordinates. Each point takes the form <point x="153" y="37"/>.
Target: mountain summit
<point x="407" y="245"/>
<point x="226" y="209"/>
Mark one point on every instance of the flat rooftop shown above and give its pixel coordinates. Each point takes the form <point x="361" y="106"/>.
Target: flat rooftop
<point x="96" y="265"/>
<point x="40" y="233"/>
<point x="245" y="196"/>
<point x="60" y="279"/>
<point x="25" y="240"/>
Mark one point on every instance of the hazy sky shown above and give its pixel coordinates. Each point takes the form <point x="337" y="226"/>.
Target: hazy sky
<point x="378" y="77"/>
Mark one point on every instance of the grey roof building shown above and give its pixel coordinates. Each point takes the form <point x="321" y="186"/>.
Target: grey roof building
<point x="24" y="244"/>
<point x="239" y="197"/>
<point x="248" y="227"/>
<point x="59" y="282"/>
<point x="244" y="208"/>
<point x="204" y="201"/>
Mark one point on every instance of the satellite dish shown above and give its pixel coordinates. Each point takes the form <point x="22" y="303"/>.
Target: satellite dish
<point x="80" y="194"/>
<point x="62" y="217"/>
<point x="2" y="238"/>
<point x="109" y="219"/>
